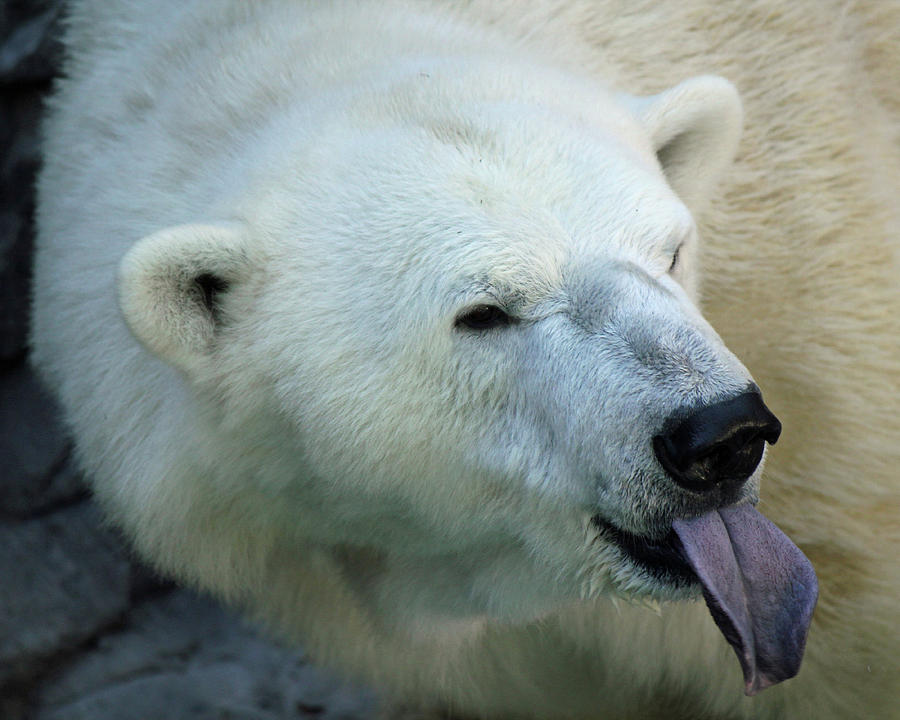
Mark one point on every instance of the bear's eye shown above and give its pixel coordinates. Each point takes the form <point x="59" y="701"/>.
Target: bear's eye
<point x="483" y="317"/>
<point x="674" y="263"/>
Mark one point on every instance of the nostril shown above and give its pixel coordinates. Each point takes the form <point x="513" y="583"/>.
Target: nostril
<point x="717" y="444"/>
<point x="734" y="459"/>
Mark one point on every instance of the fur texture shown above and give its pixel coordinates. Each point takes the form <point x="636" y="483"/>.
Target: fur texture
<point x="314" y="439"/>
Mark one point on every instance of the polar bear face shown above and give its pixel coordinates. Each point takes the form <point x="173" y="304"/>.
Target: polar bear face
<point x="455" y="333"/>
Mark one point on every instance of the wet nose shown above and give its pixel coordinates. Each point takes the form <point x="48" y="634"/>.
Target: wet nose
<point x="718" y="444"/>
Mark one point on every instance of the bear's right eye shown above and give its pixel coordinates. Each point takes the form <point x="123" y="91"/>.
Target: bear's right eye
<point x="483" y="317"/>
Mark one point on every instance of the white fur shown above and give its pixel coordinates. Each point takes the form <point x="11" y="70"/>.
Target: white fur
<point x="327" y="448"/>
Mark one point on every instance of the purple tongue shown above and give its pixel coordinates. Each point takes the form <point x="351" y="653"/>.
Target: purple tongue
<point x="759" y="587"/>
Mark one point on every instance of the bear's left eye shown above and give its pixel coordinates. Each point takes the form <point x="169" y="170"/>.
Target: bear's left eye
<point x="483" y="317"/>
<point x="674" y="263"/>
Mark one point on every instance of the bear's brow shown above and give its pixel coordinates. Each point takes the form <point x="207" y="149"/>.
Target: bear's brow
<point x="680" y="232"/>
<point x="520" y="298"/>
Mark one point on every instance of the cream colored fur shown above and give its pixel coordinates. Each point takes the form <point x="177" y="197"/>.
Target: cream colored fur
<point x="799" y="260"/>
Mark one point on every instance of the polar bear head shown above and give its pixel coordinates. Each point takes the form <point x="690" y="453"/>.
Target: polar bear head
<point x="456" y="331"/>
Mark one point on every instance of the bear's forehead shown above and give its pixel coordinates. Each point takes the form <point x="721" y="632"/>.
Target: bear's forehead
<point x="541" y="181"/>
<point x="507" y="196"/>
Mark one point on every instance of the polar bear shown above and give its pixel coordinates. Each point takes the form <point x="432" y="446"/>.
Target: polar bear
<point x="380" y="321"/>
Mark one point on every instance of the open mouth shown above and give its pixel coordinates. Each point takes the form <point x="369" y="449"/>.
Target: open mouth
<point x="759" y="587"/>
<point x="663" y="559"/>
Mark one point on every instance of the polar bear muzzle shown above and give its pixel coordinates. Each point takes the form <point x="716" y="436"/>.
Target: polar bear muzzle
<point x="760" y="588"/>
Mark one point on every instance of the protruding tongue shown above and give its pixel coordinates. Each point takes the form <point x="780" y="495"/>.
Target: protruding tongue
<point x="759" y="587"/>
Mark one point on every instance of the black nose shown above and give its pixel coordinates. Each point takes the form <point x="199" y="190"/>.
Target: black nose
<point x="719" y="444"/>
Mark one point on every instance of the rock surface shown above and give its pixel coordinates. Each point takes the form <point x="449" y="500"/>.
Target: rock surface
<point x="181" y="657"/>
<point x="64" y="581"/>
<point x="33" y="448"/>
<point x="86" y="632"/>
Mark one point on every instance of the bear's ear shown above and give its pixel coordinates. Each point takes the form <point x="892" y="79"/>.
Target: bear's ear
<point x="695" y="128"/>
<point x="170" y="286"/>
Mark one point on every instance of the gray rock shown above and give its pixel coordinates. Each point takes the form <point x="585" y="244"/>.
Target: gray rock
<point x="33" y="448"/>
<point x="19" y="159"/>
<point x="15" y="260"/>
<point x="147" y="582"/>
<point x="184" y="658"/>
<point x="14" y="708"/>
<point x="29" y="40"/>
<point x="63" y="581"/>
<point x="29" y="58"/>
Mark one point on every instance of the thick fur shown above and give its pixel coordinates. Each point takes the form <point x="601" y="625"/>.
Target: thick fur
<point x="300" y="439"/>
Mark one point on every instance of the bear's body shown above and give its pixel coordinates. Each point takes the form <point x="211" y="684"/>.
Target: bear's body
<point x="362" y="315"/>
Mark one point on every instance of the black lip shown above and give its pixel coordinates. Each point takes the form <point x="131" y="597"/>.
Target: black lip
<point x="663" y="558"/>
